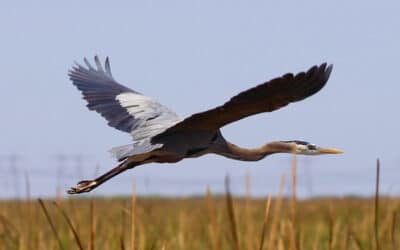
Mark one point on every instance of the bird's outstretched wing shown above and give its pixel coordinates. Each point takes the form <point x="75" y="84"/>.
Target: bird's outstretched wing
<point x="123" y="108"/>
<point x="265" y="97"/>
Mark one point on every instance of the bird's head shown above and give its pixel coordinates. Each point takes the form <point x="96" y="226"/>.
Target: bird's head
<point x="306" y="148"/>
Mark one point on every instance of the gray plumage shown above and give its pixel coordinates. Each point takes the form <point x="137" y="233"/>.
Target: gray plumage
<point x="136" y="148"/>
<point x="124" y="109"/>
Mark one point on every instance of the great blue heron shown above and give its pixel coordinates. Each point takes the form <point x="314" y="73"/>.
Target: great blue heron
<point x="159" y="135"/>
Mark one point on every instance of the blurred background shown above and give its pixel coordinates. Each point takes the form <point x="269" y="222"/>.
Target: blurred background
<point x="192" y="56"/>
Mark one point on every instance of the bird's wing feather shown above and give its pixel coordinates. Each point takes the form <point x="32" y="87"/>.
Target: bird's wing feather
<point x="123" y="108"/>
<point x="265" y="97"/>
<point x="136" y="148"/>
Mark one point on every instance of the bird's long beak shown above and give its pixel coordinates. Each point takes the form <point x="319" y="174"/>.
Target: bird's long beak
<point x="329" y="151"/>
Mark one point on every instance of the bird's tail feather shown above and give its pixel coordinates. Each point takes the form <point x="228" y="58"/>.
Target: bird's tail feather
<point x="136" y="148"/>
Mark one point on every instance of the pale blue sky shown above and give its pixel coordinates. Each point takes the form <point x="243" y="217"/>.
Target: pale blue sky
<point x="191" y="56"/>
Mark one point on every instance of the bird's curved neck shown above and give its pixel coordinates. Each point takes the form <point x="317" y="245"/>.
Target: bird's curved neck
<point x="255" y="154"/>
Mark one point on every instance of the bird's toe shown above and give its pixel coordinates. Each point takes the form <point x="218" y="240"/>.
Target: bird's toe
<point x="82" y="187"/>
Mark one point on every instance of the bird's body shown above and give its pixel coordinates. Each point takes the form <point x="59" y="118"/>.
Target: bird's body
<point x="160" y="135"/>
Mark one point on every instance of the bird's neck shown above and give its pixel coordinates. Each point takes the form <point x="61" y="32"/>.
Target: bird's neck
<point x="255" y="154"/>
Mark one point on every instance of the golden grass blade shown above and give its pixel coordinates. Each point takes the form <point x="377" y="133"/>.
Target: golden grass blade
<point x="213" y="228"/>
<point x="70" y="224"/>
<point x="376" y="210"/>
<point x="393" y="231"/>
<point x="330" y="227"/>
<point x="345" y="245"/>
<point x="122" y="233"/>
<point x="142" y="237"/>
<point x="28" y="208"/>
<point x="181" y="229"/>
<point x="248" y="188"/>
<point x="294" y="231"/>
<point x="357" y="241"/>
<point x="7" y="232"/>
<point x="294" y="185"/>
<point x="264" y="225"/>
<point x="247" y="218"/>
<point x="231" y="215"/>
<point x="53" y="228"/>
<point x="273" y="241"/>
<point x="92" y="226"/>
<point x="133" y="215"/>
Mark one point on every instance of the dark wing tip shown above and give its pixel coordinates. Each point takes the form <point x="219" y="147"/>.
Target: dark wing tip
<point x="325" y="69"/>
<point x="310" y="82"/>
<point x="322" y="72"/>
<point x="107" y="66"/>
<point x="98" y="63"/>
<point x="328" y="71"/>
<point x="78" y="71"/>
<point x="321" y="75"/>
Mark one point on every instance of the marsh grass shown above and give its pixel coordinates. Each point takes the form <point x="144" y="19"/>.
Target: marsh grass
<point x="133" y="217"/>
<point x="202" y="223"/>
<point x="210" y="222"/>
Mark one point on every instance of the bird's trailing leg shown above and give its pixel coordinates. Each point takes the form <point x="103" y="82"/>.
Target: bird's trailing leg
<point x="88" y="185"/>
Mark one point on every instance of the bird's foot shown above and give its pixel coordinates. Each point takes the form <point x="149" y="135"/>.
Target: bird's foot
<point x="83" y="187"/>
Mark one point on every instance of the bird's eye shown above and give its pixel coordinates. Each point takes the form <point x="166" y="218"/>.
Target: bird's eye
<point x="311" y="147"/>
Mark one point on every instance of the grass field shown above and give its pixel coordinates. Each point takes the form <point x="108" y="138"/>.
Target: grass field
<point x="207" y="222"/>
<point x="200" y="223"/>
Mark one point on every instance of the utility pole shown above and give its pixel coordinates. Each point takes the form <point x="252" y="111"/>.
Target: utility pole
<point x="61" y="160"/>
<point x="11" y="170"/>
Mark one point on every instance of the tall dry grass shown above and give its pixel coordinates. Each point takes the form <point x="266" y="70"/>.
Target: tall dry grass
<point x="209" y="222"/>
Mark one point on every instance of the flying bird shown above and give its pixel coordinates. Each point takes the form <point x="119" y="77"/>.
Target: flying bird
<point x="160" y="135"/>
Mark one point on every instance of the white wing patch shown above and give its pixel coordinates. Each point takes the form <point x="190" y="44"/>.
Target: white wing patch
<point x="151" y="118"/>
<point x="123" y="108"/>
